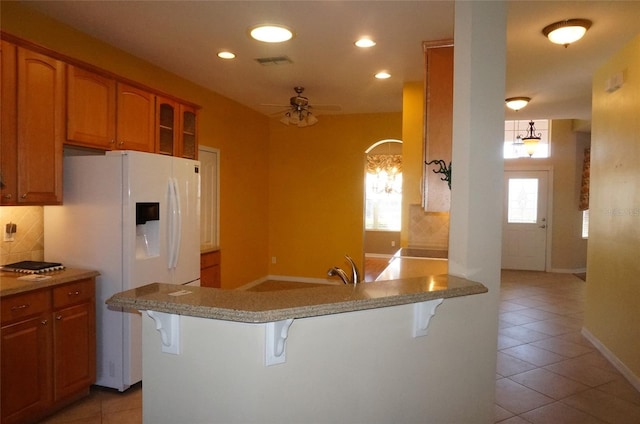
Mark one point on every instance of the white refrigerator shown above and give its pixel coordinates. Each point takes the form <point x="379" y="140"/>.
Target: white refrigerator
<point x="134" y="217"/>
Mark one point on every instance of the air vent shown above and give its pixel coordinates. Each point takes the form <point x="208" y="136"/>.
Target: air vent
<point x="277" y="60"/>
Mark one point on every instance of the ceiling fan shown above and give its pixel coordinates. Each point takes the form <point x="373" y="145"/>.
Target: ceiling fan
<point x="298" y="111"/>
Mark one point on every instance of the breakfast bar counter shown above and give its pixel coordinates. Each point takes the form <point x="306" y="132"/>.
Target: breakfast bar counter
<point x="262" y="307"/>
<point x="364" y="353"/>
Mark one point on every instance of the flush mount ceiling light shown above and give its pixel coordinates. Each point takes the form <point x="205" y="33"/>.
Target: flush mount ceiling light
<point x="226" y="55"/>
<point x="383" y="75"/>
<point x="365" y="42"/>
<point x="271" y="33"/>
<point x="517" y="103"/>
<point x="567" y="31"/>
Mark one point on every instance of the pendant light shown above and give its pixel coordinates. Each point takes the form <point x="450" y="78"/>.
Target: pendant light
<point x="531" y="140"/>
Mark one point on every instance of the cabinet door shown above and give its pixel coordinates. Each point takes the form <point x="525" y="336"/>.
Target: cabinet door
<point x="74" y="349"/>
<point x="26" y="375"/>
<point x="166" y="126"/>
<point x="40" y="128"/>
<point x="8" y="144"/>
<point x="91" y="109"/>
<point x="135" y="120"/>
<point x="188" y="146"/>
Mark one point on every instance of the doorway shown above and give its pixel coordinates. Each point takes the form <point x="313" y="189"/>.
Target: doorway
<point x="526" y="222"/>
<point x="382" y="205"/>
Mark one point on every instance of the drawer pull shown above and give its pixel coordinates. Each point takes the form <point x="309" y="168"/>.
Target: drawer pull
<point x="20" y="307"/>
<point x="75" y="293"/>
<point x="44" y="322"/>
<point x="59" y="317"/>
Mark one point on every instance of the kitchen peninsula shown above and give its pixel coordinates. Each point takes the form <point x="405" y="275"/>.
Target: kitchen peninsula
<point x="340" y="353"/>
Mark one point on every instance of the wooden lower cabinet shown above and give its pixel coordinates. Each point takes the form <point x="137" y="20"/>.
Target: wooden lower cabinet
<point x="48" y="350"/>
<point x="210" y="269"/>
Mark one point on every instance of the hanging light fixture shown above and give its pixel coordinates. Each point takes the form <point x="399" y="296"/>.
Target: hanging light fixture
<point x="517" y="103"/>
<point x="567" y="31"/>
<point x="301" y="118"/>
<point x="531" y="140"/>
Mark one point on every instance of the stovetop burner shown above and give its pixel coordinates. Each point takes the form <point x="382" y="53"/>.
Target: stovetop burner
<point x="32" y="267"/>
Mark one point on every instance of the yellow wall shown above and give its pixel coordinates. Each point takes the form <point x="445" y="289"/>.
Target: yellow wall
<point x="412" y="156"/>
<point x="240" y="133"/>
<point x="316" y="191"/>
<point x="613" y="270"/>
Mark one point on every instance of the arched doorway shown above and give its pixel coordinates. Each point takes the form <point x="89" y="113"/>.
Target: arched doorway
<point x="382" y="205"/>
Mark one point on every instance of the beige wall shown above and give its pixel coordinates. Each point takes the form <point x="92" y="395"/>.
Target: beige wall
<point x="613" y="269"/>
<point x="568" y="248"/>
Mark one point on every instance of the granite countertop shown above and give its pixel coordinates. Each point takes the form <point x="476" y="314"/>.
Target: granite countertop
<point x="9" y="283"/>
<point x="261" y="307"/>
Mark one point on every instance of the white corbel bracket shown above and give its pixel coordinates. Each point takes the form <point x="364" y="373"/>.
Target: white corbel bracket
<point x="422" y="314"/>
<point x="168" y="325"/>
<point x="276" y="334"/>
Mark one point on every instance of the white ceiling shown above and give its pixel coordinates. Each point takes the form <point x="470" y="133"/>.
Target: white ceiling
<point x="184" y="37"/>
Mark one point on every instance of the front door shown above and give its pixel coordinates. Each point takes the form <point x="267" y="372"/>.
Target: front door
<point x="524" y="231"/>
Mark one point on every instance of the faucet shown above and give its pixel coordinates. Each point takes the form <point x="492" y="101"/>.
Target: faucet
<point x="355" y="274"/>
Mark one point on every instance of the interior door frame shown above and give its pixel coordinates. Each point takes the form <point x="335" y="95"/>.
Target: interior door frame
<point x="549" y="212"/>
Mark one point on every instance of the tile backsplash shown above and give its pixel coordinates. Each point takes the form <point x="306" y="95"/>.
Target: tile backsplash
<point x="429" y="230"/>
<point x="28" y="241"/>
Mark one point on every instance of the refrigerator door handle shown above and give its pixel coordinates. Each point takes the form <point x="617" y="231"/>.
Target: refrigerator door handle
<point x="175" y="223"/>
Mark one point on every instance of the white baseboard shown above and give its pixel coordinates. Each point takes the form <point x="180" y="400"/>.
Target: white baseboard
<point x="569" y="271"/>
<point x="613" y="359"/>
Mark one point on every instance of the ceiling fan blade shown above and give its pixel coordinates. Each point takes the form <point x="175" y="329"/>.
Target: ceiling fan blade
<point x="326" y="107"/>
<point x="275" y="105"/>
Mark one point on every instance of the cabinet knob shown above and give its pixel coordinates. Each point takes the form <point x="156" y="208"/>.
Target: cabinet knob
<point x="7" y="196"/>
<point x="121" y="143"/>
<point x="24" y="196"/>
<point x="112" y="142"/>
<point x="44" y="322"/>
<point x="59" y="317"/>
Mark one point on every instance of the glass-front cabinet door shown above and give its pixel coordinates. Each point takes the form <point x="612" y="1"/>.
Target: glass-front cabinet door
<point x="166" y="126"/>
<point x="188" y="142"/>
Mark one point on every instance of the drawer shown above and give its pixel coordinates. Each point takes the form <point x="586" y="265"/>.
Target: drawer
<point x="25" y="305"/>
<point x="69" y="294"/>
<point x="209" y="259"/>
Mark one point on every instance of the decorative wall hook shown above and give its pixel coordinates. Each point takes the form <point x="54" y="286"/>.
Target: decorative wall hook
<point x="444" y="170"/>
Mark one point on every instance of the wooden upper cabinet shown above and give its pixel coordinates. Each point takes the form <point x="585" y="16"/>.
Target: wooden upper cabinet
<point x="91" y="109"/>
<point x="176" y="129"/>
<point x="8" y="121"/>
<point x="105" y="114"/>
<point x="438" y="122"/>
<point x="135" y="119"/>
<point x="40" y="127"/>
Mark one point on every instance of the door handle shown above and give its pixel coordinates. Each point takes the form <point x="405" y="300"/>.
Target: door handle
<point x="543" y="226"/>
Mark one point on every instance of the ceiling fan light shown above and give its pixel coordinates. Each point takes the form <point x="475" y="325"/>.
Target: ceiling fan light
<point x="285" y="119"/>
<point x="271" y="33"/>
<point x="566" y="32"/>
<point x="517" y="103"/>
<point x="311" y="119"/>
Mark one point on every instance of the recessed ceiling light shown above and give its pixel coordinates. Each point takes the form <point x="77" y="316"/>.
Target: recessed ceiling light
<point x="365" y="42"/>
<point x="517" y="103"/>
<point x="226" y="55"/>
<point x="566" y="32"/>
<point x="271" y="33"/>
<point x="383" y="75"/>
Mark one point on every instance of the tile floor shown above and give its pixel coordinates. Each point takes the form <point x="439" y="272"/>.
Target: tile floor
<point x="547" y="372"/>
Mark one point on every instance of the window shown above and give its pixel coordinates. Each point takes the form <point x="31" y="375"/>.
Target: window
<point x="585" y="224"/>
<point x="513" y="145"/>
<point x="383" y="206"/>
<point x="523" y="201"/>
